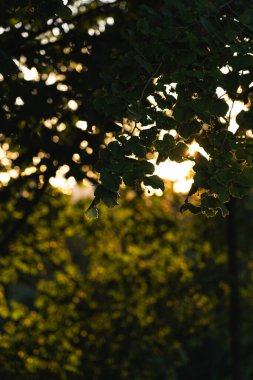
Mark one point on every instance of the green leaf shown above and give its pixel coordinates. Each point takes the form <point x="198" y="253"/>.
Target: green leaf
<point x="224" y="210"/>
<point x="138" y="172"/>
<point x="110" y="180"/>
<point x="237" y="191"/>
<point x="210" y="106"/>
<point x="219" y="189"/>
<point x="218" y="107"/>
<point x="211" y="204"/>
<point x="245" y="120"/>
<point x="189" y="129"/>
<point x="164" y="101"/>
<point x="169" y="140"/>
<point x="143" y="167"/>
<point x="116" y="149"/>
<point x="154" y="181"/>
<point x="230" y="82"/>
<point x="241" y="62"/>
<point x="192" y="208"/>
<point x="92" y="213"/>
<point x="182" y="113"/>
<point x="148" y="136"/>
<point x="129" y="178"/>
<point x="223" y="176"/>
<point x="125" y="164"/>
<point x="165" y="122"/>
<point x="245" y="178"/>
<point x="109" y="198"/>
<point x="133" y="144"/>
<point x="177" y="154"/>
<point x="164" y="146"/>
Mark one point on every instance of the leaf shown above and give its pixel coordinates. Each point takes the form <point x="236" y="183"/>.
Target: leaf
<point x="125" y="164"/>
<point x="164" y="146"/>
<point x="129" y="178"/>
<point x="148" y="136"/>
<point x="165" y="122"/>
<point x="177" y="154"/>
<point x="218" y="107"/>
<point x="143" y="167"/>
<point x="164" y="101"/>
<point x="110" y="180"/>
<point x="109" y="198"/>
<point x="212" y="106"/>
<point x="220" y="190"/>
<point x="169" y="140"/>
<point x="245" y="178"/>
<point x="192" y="208"/>
<point x="211" y="204"/>
<point x="190" y="128"/>
<point x="133" y="144"/>
<point x="182" y="112"/>
<point x="237" y="191"/>
<point x="92" y="213"/>
<point x="245" y="120"/>
<point x="223" y="176"/>
<point x="241" y="62"/>
<point x="104" y="159"/>
<point x="154" y="181"/>
<point x="230" y="82"/>
<point x="223" y="209"/>
<point x="138" y="172"/>
<point x="116" y="149"/>
<point x="111" y="126"/>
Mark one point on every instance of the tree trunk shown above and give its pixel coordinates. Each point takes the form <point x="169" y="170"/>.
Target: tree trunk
<point x="234" y="302"/>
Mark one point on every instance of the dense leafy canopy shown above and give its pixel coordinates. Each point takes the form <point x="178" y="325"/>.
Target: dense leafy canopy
<point x="137" y="70"/>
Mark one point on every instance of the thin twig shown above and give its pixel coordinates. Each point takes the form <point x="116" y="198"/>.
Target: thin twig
<point x="148" y="82"/>
<point x="225" y="4"/>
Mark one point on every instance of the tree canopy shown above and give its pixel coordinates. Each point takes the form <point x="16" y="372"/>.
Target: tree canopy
<point x="118" y="83"/>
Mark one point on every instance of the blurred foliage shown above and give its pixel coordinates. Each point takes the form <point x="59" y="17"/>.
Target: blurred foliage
<point x="141" y="293"/>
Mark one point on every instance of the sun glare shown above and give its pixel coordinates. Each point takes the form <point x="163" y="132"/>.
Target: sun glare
<point x="66" y="185"/>
<point x="179" y="174"/>
<point x="195" y="147"/>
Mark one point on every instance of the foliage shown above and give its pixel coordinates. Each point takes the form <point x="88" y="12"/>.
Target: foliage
<point x="109" y="58"/>
<point x="140" y="293"/>
<point x="137" y="304"/>
<point x="112" y="85"/>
